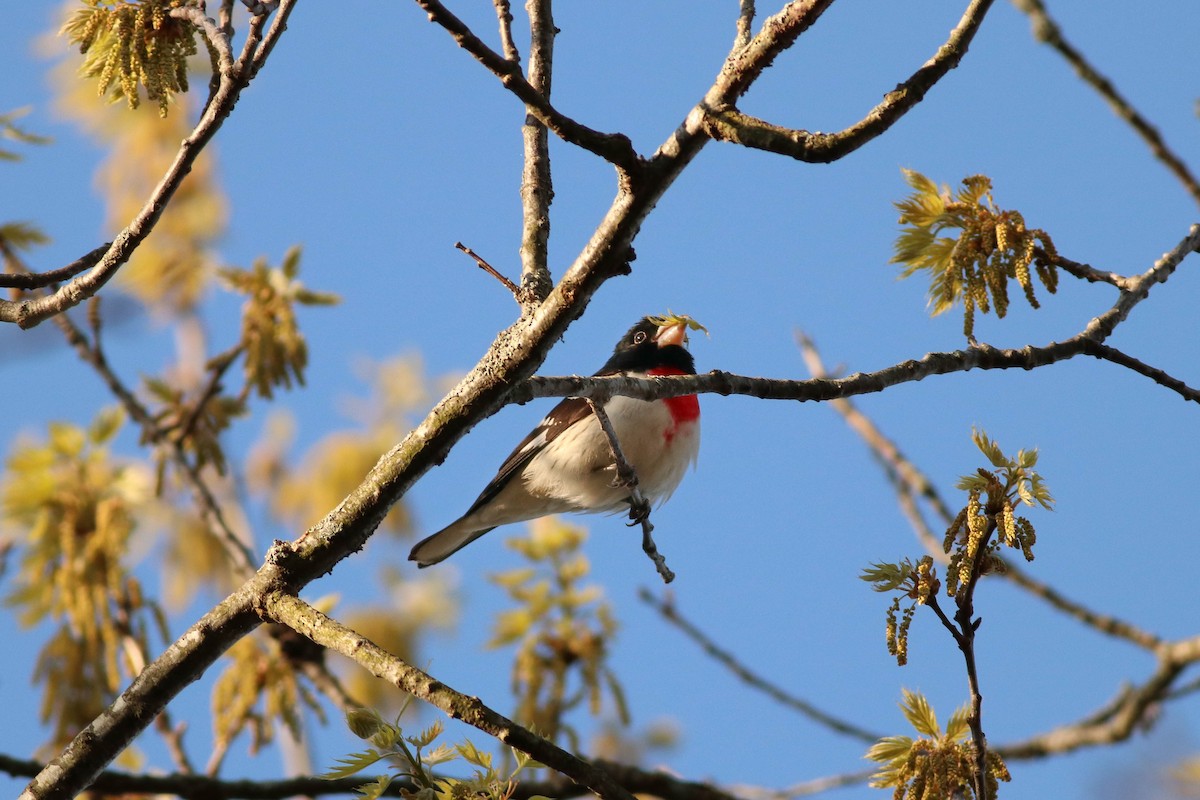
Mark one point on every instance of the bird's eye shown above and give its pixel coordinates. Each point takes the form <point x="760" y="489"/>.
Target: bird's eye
<point x="639" y="337"/>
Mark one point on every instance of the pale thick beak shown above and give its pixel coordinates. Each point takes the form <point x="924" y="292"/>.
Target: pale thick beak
<point x="672" y="334"/>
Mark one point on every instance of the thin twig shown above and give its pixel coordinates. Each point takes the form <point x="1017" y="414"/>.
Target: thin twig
<point x="39" y="280"/>
<point x="667" y="610"/>
<point x="1046" y="30"/>
<point x="744" y="22"/>
<point x="505" y="18"/>
<point x="490" y="270"/>
<point x="1082" y="271"/>
<point x="614" y="148"/>
<point x="639" y="506"/>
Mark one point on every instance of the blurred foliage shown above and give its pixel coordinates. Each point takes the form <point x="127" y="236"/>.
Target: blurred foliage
<point x="259" y="689"/>
<point x="195" y="423"/>
<point x="407" y="758"/>
<point x="11" y="131"/>
<point x="21" y="235"/>
<point x="131" y="47"/>
<point x="300" y="495"/>
<point x="193" y="558"/>
<point x="73" y="508"/>
<point x="275" y="351"/>
<point x="613" y="741"/>
<point x="561" y="629"/>
<point x="937" y="766"/>
<point x="993" y="247"/>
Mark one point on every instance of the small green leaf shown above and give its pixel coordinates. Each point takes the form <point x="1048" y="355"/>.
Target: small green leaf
<point x="473" y="755"/>
<point x="890" y="748"/>
<point x="886" y="577"/>
<point x="920" y="714"/>
<point x="351" y="765"/>
<point x="374" y="789"/>
<point x="426" y="737"/>
<point x="957" y="727"/>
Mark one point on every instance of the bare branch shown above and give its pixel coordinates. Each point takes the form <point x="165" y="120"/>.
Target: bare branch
<point x="490" y="270"/>
<point x="724" y="122"/>
<point x="667" y="611"/>
<point x="39" y="280"/>
<point x="1082" y="271"/>
<point x="744" y="21"/>
<point x="1046" y="30"/>
<point x="612" y="147"/>
<point x="1132" y="710"/>
<point x="505" y="17"/>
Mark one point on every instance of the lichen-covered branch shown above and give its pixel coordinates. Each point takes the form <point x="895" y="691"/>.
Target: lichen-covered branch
<point x="289" y="610"/>
<point x="537" y="188"/>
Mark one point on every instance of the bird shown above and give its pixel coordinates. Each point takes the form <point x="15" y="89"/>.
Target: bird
<point x="566" y="464"/>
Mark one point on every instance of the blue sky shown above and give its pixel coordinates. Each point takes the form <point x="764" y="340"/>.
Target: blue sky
<point x="375" y="143"/>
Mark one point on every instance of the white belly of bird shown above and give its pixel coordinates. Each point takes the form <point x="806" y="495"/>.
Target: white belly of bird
<point x="659" y="450"/>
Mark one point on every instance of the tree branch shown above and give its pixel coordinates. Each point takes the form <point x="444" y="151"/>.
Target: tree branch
<point x="668" y="612"/>
<point x="537" y="188"/>
<point x="289" y="610"/>
<point x="612" y="147"/>
<point x="490" y="270"/>
<point x="724" y="122"/>
<point x="26" y="280"/>
<point x="1046" y="30"/>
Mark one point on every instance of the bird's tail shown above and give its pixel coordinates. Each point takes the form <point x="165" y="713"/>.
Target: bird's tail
<point x="446" y="542"/>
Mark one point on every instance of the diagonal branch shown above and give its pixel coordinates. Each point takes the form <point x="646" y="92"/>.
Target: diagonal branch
<point x="667" y="611"/>
<point x="293" y="612"/>
<point x="1046" y="30"/>
<point x="26" y="280"/>
<point x="612" y="147"/>
<point x="724" y="122"/>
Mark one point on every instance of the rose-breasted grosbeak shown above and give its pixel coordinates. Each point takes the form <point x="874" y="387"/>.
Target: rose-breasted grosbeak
<point x="566" y="464"/>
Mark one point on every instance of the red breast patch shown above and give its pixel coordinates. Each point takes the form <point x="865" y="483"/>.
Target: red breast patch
<point x="683" y="409"/>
